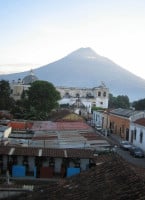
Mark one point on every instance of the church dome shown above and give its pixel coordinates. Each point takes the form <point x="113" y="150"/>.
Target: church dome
<point x="29" y="78"/>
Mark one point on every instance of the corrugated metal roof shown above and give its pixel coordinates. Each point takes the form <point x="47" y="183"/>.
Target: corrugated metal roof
<point x="124" y="112"/>
<point x="54" y="126"/>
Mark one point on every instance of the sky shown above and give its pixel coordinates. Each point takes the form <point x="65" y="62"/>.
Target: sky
<point x="38" y="32"/>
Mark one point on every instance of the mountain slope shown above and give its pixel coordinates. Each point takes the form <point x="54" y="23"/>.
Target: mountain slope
<point x="85" y="68"/>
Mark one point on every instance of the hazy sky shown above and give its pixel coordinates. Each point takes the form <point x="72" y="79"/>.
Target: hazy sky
<point x="37" y="32"/>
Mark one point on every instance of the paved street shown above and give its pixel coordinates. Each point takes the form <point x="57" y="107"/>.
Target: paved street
<point x="114" y="140"/>
<point x="126" y="155"/>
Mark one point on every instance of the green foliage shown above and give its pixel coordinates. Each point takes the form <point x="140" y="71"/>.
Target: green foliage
<point x="37" y="102"/>
<point x="6" y="102"/>
<point x="42" y="98"/>
<point x="139" y="105"/>
<point x="121" y="101"/>
<point x="97" y="108"/>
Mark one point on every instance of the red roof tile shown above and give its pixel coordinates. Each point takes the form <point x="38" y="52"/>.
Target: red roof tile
<point x="53" y="152"/>
<point x="79" y="153"/>
<point x="4" y="150"/>
<point x="140" y="121"/>
<point x="61" y="153"/>
<point x="26" y="151"/>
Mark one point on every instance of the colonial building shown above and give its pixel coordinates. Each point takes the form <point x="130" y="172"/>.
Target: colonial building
<point x="80" y="97"/>
<point x="43" y="162"/>
<point x="87" y="97"/>
<point x="18" y="87"/>
<point x="100" y="119"/>
<point x="137" y="133"/>
<point x="120" y="120"/>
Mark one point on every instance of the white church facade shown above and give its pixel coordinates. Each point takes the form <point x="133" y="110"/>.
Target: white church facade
<point x="88" y="97"/>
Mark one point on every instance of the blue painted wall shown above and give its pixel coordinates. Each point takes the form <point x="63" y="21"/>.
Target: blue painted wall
<point x="71" y="171"/>
<point x="18" y="171"/>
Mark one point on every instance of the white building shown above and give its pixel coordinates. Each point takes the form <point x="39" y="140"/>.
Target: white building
<point x="98" y="118"/>
<point x="137" y="133"/>
<point x="88" y="97"/>
<point x="5" y="131"/>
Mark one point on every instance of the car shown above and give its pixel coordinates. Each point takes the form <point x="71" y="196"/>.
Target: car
<point x="98" y="127"/>
<point x="137" y="152"/>
<point x="124" y="144"/>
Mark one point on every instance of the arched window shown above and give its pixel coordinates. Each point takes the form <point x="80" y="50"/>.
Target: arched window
<point x="104" y="94"/>
<point x="99" y="94"/>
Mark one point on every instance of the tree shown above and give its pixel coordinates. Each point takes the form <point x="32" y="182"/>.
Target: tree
<point x="42" y="98"/>
<point x="6" y="101"/>
<point x="139" y="105"/>
<point x="121" y="101"/>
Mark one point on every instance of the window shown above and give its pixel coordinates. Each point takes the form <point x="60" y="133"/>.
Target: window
<point x="123" y="128"/>
<point x="104" y="94"/>
<point x="141" y="136"/>
<point x="99" y="94"/>
<point x="96" y="117"/>
<point x="134" y="135"/>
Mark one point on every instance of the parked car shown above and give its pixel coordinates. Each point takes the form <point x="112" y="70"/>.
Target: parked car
<point x="137" y="152"/>
<point x="124" y="144"/>
<point x="98" y="127"/>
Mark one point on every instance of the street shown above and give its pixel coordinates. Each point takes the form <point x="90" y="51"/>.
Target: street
<point x="114" y="140"/>
<point x="126" y="155"/>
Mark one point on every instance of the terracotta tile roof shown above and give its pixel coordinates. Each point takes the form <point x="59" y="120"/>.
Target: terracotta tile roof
<point x="4" y="150"/>
<point x="26" y="151"/>
<point x="79" y="153"/>
<point x="34" y="151"/>
<point x="114" y="179"/>
<point x="140" y="121"/>
<point x="59" y="153"/>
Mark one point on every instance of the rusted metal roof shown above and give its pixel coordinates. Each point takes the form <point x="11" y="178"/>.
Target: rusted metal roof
<point x="48" y="125"/>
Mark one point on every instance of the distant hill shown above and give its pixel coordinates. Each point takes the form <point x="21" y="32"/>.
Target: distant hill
<point x="85" y="68"/>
